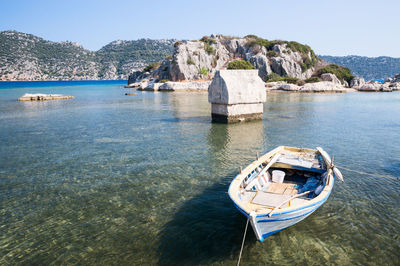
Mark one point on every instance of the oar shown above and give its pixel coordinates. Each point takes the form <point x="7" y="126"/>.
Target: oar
<point x="330" y="164"/>
<point x="273" y="160"/>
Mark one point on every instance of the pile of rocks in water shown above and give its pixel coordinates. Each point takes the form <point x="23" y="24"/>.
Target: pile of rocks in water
<point x="329" y="83"/>
<point x="153" y="85"/>
<point x="390" y="84"/>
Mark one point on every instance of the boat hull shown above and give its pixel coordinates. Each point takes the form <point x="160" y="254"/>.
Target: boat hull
<point x="266" y="221"/>
<point x="264" y="226"/>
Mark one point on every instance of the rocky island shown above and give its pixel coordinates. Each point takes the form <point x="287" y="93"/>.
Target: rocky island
<point x="282" y="65"/>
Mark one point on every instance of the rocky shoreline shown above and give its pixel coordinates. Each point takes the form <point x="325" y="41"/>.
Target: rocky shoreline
<point x="282" y="65"/>
<point x="329" y="84"/>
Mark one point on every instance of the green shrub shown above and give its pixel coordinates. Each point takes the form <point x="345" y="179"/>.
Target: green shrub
<point x="151" y="67"/>
<point x="342" y="73"/>
<point x="176" y="44"/>
<point x="291" y="80"/>
<point x="209" y="49"/>
<point x="163" y="80"/>
<point x="189" y="61"/>
<point x="251" y="36"/>
<point x="214" y="62"/>
<point x="272" y="54"/>
<point x="240" y="64"/>
<point x="259" y="41"/>
<point x="313" y="80"/>
<point x="298" y="47"/>
<point x="208" y="40"/>
<point x="273" y="77"/>
<point x="203" y="71"/>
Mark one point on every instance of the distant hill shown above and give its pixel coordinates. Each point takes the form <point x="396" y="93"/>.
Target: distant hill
<point x="28" y="57"/>
<point x="369" y="68"/>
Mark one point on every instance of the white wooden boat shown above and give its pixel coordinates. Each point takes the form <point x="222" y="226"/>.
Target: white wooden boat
<point x="273" y="206"/>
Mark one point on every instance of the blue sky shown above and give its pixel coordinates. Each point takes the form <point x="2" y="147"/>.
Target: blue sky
<point x="369" y="28"/>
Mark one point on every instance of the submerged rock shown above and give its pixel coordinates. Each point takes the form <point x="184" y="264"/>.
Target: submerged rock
<point x="43" y="97"/>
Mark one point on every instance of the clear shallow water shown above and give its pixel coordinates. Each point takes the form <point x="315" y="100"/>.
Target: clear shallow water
<point x="112" y="179"/>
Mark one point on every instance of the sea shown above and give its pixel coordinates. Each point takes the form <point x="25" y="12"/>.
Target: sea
<point x="110" y="179"/>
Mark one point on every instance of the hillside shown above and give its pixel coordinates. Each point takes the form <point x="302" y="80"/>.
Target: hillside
<point x="370" y="68"/>
<point x="28" y="57"/>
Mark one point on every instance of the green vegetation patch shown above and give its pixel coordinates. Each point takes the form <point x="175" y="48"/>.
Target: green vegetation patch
<point x="251" y="36"/>
<point x="203" y="71"/>
<point x="189" y="61"/>
<point x="208" y="40"/>
<point x="152" y="67"/>
<point x="176" y="44"/>
<point x="209" y="49"/>
<point x="273" y="77"/>
<point x="342" y="73"/>
<point x="313" y="80"/>
<point x="240" y="64"/>
<point x="272" y="54"/>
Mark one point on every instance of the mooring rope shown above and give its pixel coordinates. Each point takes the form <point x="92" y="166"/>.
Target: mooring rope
<point x="244" y="237"/>
<point x="370" y="174"/>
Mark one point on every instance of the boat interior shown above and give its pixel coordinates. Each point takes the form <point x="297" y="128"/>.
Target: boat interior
<point x="293" y="179"/>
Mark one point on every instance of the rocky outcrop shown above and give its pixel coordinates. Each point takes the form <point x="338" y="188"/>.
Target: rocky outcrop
<point x="236" y="95"/>
<point x="395" y="79"/>
<point x="323" y="86"/>
<point x="390" y="84"/>
<point x="175" y="86"/>
<point x="288" y="63"/>
<point x="330" y="77"/>
<point x="199" y="60"/>
<point x="134" y="76"/>
<point x="185" y="86"/>
<point x="371" y="87"/>
<point x="357" y="82"/>
<point x="190" y="57"/>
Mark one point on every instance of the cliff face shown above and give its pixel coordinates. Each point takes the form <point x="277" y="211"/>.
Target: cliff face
<point x="27" y="57"/>
<point x="196" y="60"/>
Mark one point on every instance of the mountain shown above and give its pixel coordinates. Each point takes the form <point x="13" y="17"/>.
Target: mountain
<point x="28" y="57"/>
<point x="370" y="68"/>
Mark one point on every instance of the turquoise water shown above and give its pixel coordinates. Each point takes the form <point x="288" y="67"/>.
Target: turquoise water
<point x="112" y="179"/>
